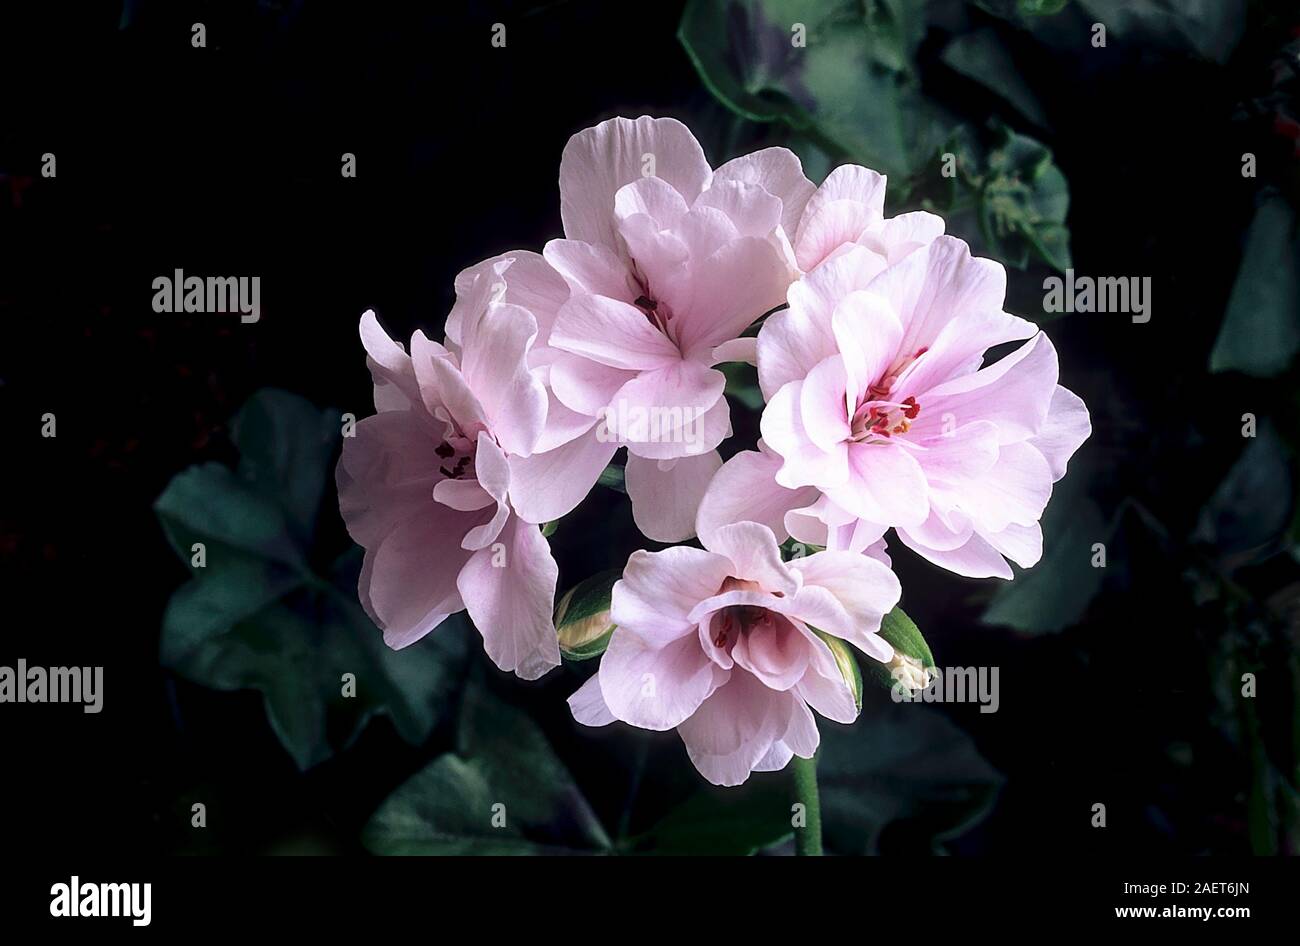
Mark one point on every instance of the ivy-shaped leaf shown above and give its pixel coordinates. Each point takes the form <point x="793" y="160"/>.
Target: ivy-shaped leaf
<point x="504" y="791"/>
<point x="724" y="821"/>
<point x="1260" y="333"/>
<point x="983" y="57"/>
<point x="254" y="615"/>
<point x="840" y="72"/>
<point x="902" y="764"/>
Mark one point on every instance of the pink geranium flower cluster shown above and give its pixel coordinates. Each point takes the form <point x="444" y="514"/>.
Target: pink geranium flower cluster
<point x="880" y="415"/>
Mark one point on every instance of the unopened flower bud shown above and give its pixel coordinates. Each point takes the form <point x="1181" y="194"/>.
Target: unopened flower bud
<point x="908" y="672"/>
<point x="582" y="618"/>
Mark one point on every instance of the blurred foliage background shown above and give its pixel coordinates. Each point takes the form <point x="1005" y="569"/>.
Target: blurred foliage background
<point x="1121" y="685"/>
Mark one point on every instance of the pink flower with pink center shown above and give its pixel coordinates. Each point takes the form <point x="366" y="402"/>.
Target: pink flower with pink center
<point x="426" y="484"/>
<point x="667" y="262"/>
<point x="882" y="414"/>
<point x="719" y="643"/>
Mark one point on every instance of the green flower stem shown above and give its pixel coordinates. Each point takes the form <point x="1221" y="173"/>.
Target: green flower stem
<point x="808" y="839"/>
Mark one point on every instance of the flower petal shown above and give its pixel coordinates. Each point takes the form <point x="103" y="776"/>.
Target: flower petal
<point x="975" y="559"/>
<point x="750" y="208"/>
<point x="745" y="488"/>
<point x="518" y="277"/>
<point x="494" y="362"/>
<point x="868" y="334"/>
<point x="658" y="590"/>
<point x="600" y="160"/>
<point x="586" y="386"/>
<point x="792" y="341"/>
<point x="665" y="501"/>
<point x="738" y="349"/>
<point x="656" y="687"/>
<point x="1014" y="393"/>
<point x="666" y="406"/>
<point x="804" y="462"/>
<point x="849" y="201"/>
<point x="588" y="704"/>
<point x="823" y="685"/>
<point x="1014" y="491"/>
<point x="1064" y="430"/>
<point x="724" y="293"/>
<point x="593" y="268"/>
<point x="736" y="727"/>
<point x="547" y="486"/>
<point x="867" y="589"/>
<point x="411" y="582"/>
<point x="752" y="549"/>
<point x="898" y="236"/>
<point x="655" y="198"/>
<point x="774" y="651"/>
<point x="612" y="333"/>
<point x="509" y="591"/>
<point x="935" y="284"/>
<point x="386" y="472"/>
<point x="492" y="470"/>
<point x="779" y="172"/>
<point x="886" y="485"/>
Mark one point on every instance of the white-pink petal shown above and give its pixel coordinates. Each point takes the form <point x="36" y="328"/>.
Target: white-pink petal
<point x="666" y="494"/>
<point x="509" y="590"/>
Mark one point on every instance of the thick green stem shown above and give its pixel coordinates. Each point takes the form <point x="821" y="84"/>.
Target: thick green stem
<point x="808" y="839"/>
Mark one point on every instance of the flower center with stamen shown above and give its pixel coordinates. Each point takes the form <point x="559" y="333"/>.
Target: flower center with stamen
<point x="656" y="313"/>
<point x="457" y="452"/>
<point x="878" y="416"/>
<point x="733" y="621"/>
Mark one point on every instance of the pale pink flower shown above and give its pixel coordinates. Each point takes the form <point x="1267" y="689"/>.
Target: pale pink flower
<point x="719" y="644"/>
<point x="882" y="414"/>
<point x="668" y="262"/>
<point x="426" y="486"/>
<point x="848" y="210"/>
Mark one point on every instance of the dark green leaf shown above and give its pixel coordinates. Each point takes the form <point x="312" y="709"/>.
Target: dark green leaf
<point x="726" y="821"/>
<point x="208" y="504"/>
<point x="514" y="755"/>
<point x="1041" y="7"/>
<point x="1210" y="28"/>
<point x="901" y="764"/>
<point x="503" y="792"/>
<point x="851" y="86"/>
<point x="285" y="445"/>
<point x="1055" y="593"/>
<point x="1251" y="508"/>
<point x="742" y="384"/>
<point x="256" y="617"/>
<point x="1261" y="328"/>
<point x="983" y="57"/>
<point x="612" y="478"/>
<point x="445" y="808"/>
